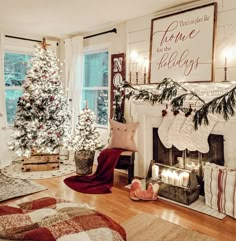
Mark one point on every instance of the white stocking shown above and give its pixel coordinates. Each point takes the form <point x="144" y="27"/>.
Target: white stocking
<point x="186" y="132"/>
<point x="200" y="136"/>
<point x="164" y="128"/>
<point x="174" y="136"/>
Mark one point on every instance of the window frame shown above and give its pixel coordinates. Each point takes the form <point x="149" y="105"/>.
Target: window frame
<point x="6" y="50"/>
<point x="94" y="50"/>
<point x="16" y="47"/>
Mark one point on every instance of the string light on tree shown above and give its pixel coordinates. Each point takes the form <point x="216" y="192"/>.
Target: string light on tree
<point x="86" y="136"/>
<point x="42" y="120"/>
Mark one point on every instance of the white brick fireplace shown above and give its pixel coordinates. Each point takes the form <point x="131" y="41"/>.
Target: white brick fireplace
<point x="149" y="116"/>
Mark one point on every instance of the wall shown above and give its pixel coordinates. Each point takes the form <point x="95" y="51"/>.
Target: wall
<point x="138" y="34"/>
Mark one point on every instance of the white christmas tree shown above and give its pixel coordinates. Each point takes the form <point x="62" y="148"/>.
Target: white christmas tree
<point x="86" y="136"/>
<point x="42" y="121"/>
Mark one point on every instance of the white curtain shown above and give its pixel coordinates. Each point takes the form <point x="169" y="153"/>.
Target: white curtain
<point x="6" y="156"/>
<point x="74" y="74"/>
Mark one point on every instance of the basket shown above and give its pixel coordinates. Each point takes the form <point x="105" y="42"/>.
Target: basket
<point x="84" y="162"/>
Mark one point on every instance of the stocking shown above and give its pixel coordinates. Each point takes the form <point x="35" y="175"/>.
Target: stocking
<point x="186" y="132"/>
<point x="200" y="136"/>
<point x="164" y="128"/>
<point x="174" y="136"/>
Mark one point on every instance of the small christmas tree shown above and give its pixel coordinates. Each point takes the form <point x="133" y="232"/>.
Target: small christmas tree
<point x="86" y="136"/>
<point x="42" y="121"/>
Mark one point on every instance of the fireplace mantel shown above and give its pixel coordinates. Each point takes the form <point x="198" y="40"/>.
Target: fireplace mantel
<point x="150" y="115"/>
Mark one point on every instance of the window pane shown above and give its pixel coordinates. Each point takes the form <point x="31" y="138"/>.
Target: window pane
<point x="98" y="102"/>
<point x="12" y="97"/>
<point x="15" y="67"/>
<point x="96" y="69"/>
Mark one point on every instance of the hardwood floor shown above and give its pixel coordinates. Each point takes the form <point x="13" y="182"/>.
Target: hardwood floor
<point x="118" y="206"/>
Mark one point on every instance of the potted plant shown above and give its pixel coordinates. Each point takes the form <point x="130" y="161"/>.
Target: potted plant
<point x="85" y="141"/>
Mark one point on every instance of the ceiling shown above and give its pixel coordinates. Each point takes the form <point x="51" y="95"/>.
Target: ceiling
<point x="64" y="18"/>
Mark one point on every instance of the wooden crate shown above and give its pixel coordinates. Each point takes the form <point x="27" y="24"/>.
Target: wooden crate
<point x="41" y="162"/>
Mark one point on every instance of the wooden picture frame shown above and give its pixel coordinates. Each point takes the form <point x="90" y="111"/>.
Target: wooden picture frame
<point x="182" y="45"/>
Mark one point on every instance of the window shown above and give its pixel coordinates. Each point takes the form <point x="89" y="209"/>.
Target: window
<point x="15" y="68"/>
<point x="95" y="85"/>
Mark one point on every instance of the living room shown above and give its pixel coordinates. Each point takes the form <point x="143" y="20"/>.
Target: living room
<point x="188" y="162"/>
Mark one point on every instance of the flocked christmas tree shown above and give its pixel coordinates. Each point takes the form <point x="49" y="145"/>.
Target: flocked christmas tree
<point x="86" y="136"/>
<point x="42" y="121"/>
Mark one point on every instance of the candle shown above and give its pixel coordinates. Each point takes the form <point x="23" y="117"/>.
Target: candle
<point x="176" y="179"/>
<point x="155" y="171"/>
<point x="137" y="67"/>
<point x="170" y="177"/>
<point x="225" y="62"/>
<point x="185" y="177"/>
<point x="164" y="176"/>
<point x="145" y="66"/>
<point x="181" y="162"/>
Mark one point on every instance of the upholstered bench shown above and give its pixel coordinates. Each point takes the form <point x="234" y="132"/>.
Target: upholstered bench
<point x="126" y="161"/>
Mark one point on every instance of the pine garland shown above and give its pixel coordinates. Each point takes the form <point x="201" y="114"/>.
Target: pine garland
<point x="223" y="104"/>
<point x="173" y="92"/>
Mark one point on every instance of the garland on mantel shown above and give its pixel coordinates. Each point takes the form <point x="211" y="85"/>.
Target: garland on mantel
<point x="173" y="92"/>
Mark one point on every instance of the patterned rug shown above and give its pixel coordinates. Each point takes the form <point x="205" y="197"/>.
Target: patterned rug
<point x="14" y="170"/>
<point x="12" y="187"/>
<point x="149" y="227"/>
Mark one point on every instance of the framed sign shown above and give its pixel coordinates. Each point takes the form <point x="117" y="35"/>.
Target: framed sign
<point x="182" y="45"/>
<point x="117" y="76"/>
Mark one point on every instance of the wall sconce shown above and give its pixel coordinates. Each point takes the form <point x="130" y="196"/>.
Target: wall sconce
<point x="228" y="53"/>
<point x="139" y="66"/>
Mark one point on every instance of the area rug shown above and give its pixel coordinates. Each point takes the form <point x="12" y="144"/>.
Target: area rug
<point x="14" y="170"/>
<point x="149" y="227"/>
<point x="199" y="205"/>
<point x="12" y="187"/>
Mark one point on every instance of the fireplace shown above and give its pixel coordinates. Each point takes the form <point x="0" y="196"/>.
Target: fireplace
<point x="189" y="160"/>
<point x="150" y="117"/>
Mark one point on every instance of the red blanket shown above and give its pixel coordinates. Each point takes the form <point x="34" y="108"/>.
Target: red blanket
<point x="50" y="219"/>
<point x="102" y="180"/>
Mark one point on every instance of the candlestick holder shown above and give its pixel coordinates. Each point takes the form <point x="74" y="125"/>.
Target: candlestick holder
<point x="225" y="75"/>
<point x="144" y="78"/>
<point x="136" y="78"/>
<point x="130" y="77"/>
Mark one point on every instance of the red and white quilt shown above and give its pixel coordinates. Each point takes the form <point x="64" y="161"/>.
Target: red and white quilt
<point x="51" y="219"/>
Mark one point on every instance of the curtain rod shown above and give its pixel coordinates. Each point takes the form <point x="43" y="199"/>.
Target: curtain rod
<point x="27" y="39"/>
<point x="39" y="41"/>
<point x="94" y="35"/>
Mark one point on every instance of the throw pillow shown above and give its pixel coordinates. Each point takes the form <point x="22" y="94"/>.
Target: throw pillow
<point x="122" y="135"/>
<point x="220" y="188"/>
